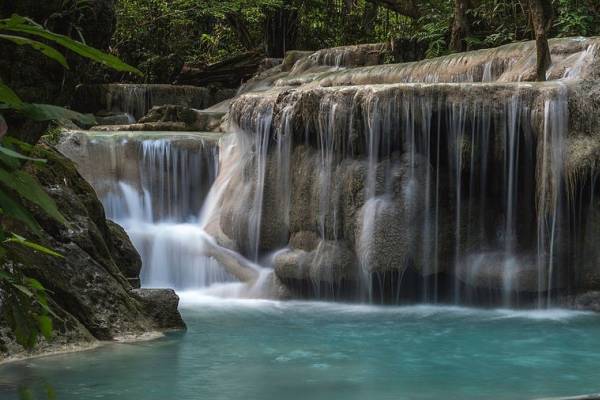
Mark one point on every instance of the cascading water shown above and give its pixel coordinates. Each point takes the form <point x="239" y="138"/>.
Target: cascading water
<point x="436" y="192"/>
<point x="386" y="183"/>
<point x="154" y="185"/>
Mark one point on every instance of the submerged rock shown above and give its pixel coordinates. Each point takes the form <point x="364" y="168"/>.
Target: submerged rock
<point x="588" y="301"/>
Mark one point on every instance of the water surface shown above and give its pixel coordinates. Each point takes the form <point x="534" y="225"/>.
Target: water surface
<point x="263" y="350"/>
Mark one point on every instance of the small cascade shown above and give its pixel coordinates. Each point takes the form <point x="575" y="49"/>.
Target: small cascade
<point x="137" y="99"/>
<point x="154" y="185"/>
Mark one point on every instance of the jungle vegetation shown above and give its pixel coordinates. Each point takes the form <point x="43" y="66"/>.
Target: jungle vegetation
<point x="156" y="35"/>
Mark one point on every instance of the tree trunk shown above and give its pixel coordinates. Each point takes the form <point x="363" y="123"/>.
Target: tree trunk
<point x="541" y="19"/>
<point x="460" y="26"/>
<point x="281" y="28"/>
<point x="369" y="17"/>
<point x="236" y="21"/>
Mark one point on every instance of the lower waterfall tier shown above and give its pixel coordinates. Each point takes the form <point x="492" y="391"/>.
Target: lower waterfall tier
<point x="438" y="192"/>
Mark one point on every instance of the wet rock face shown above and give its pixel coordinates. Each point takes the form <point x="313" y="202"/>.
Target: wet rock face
<point x="90" y="283"/>
<point x="150" y="161"/>
<point x="126" y="257"/>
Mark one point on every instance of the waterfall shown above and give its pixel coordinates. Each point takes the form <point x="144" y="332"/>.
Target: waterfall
<point x="154" y="185"/>
<point x="419" y="183"/>
<point x="445" y="180"/>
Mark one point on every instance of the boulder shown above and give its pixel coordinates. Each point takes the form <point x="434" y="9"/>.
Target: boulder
<point x="113" y="119"/>
<point x="192" y="119"/>
<point x="126" y="256"/>
<point x="161" y="305"/>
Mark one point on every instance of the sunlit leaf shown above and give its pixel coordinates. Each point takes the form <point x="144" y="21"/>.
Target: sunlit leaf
<point x="38" y="247"/>
<point x="23" y="289"/>
<point x="45" y="325"/>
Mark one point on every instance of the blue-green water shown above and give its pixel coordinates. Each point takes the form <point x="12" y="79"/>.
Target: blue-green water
<point x="263" y="350"/>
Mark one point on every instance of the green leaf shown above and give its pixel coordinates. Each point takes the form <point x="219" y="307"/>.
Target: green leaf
<point x="14" y="154"/>
<point x="32" y="283"/>
<point x="23" y="289"/>
<point x="24" y="326"/>
<point x="45" y="326"/>
<point x="41" y="112"/>
<point x="9" y="97"/>
<point x="9" y="163"/>
<point x="26" y="186"/>
<point x="6" y="276"/>
<point x="38" y="247"/>
<point x="3" y="126"/>
<point x="39" y="46"/>
<point x="20" y="24"/>
<point x="48" y="112"/>
<point x="15" y="210"/>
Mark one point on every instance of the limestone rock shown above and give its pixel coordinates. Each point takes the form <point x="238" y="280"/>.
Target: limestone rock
<point x="161" y="306"/>
<point x="126" y="256"/>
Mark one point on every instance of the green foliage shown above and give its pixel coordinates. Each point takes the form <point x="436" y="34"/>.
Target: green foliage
<point x="433" y="31"/>
<point x="27" y="309"/>
<point x="27" y="26"/>
<point x="153" y="33"/>
<point x="48" y="51"/>
<point x="24" y="299"/>
<point x="574" y="18"/>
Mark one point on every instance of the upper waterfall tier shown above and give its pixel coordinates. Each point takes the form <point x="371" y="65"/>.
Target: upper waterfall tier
<point x="573" y="58"/>
<point x="174" y="171"/>
<point x="137" y="99"/>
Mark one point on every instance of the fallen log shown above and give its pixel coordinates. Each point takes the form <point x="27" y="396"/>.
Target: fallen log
<point x="230" y="73"/>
